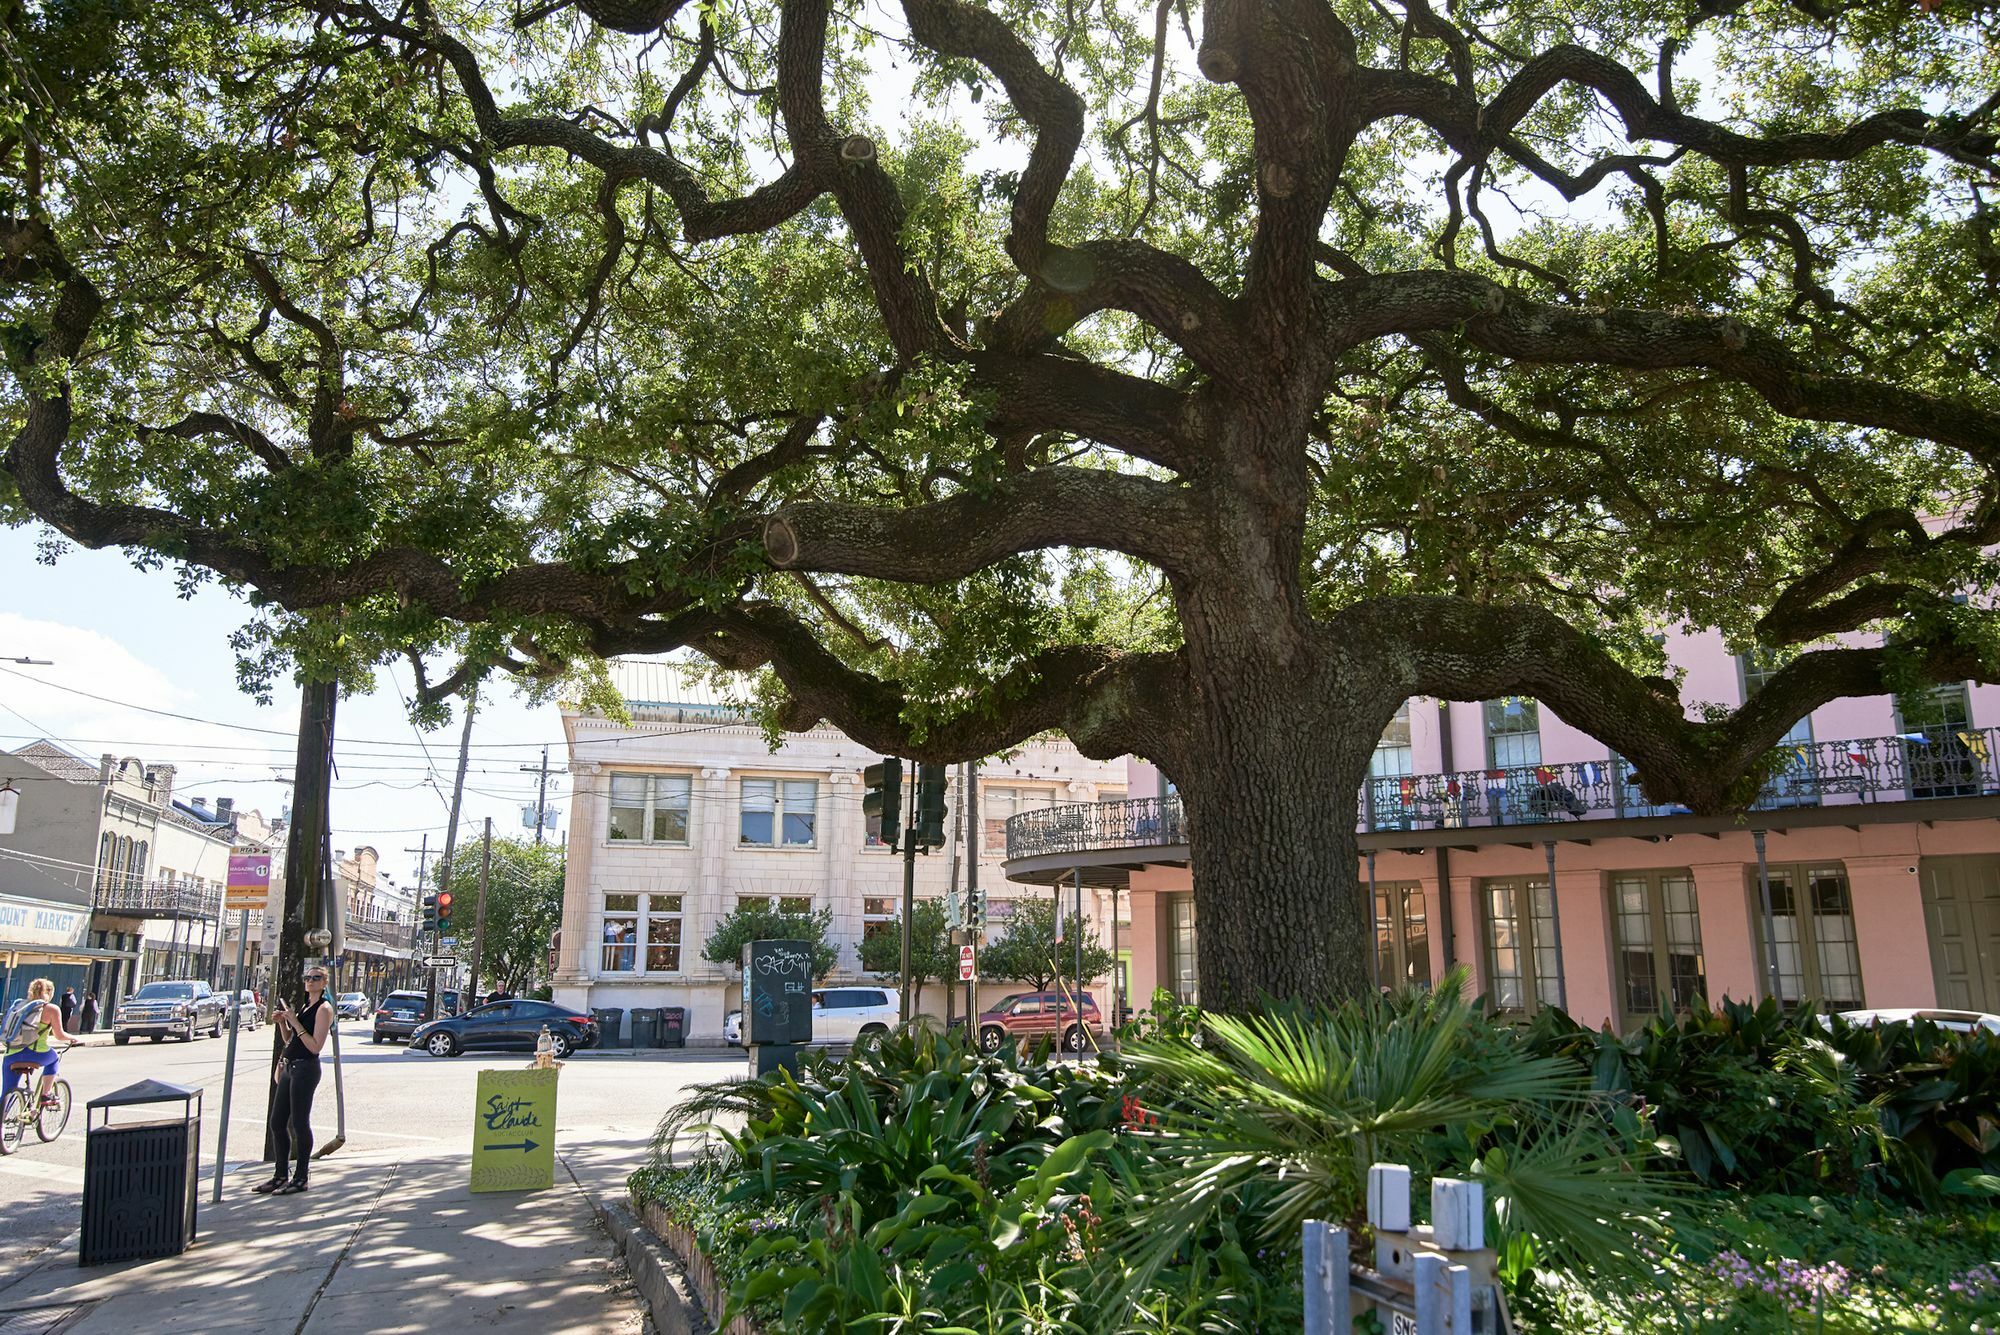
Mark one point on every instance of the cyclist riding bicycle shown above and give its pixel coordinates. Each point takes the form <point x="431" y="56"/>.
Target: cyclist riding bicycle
<point x="31" y="1029"/>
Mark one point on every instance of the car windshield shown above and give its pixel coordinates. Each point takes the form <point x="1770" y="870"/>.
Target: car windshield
<point x="1006" y="1001"/>
<point x="164" y="992"/>
<point x="351" y="996"/>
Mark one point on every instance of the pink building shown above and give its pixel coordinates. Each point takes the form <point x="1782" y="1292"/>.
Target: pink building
<point x="1498" y="837"/>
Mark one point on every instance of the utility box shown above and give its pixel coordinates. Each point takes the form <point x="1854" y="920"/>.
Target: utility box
<point x="777" y="993"/>
<point x="141" y="1178"/>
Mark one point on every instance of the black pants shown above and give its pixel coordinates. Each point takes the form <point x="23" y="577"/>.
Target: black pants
<point x="291" y="1114"/>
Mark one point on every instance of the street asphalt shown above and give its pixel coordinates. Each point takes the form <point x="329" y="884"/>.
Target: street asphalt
<point x="400" y="1105"/>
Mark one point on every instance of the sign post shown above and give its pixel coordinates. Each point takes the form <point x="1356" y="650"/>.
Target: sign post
<point x="249" y="887"/>
<point x="514" y="1131"/>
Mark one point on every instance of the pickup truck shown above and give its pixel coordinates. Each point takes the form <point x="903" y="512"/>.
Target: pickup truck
<point x="170" y="1010"/>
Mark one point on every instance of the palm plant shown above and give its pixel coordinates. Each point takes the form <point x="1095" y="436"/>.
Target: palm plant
<point x="1279" y="1116"/>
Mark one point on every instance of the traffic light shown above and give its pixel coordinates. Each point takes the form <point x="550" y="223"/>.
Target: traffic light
<point x="884" y="797"/>
<point x="930" y="805"/>
<point x="975" y="908"/>
<point x="430" y="913"/>
<point x="443" y="911"/>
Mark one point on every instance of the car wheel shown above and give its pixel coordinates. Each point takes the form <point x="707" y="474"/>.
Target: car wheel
<point x="121" y="1039"/>
<point x="441" y="1045"/>
<point x="1073" y="1038"/>
<point x="871" y="1032"/>
<point x="560" y="1046"/>
<point x="992" y="1038"/>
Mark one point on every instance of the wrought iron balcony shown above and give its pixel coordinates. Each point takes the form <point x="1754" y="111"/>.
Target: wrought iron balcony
<point x="120" y="897"/>
<point x="1144" y="822"/>
<point x="393" y="932"/>
<point x="1912" y="767"/>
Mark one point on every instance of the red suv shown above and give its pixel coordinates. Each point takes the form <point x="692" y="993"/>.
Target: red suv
<point x="1031" y="1015"/>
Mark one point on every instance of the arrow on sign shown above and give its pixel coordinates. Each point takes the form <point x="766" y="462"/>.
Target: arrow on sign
<point x="524" y="1146"/>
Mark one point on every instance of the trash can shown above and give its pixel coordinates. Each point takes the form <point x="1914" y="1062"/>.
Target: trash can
<point x="141" y="1179"/>
<point x="645" y="1026"/>
<point x="610" y="1024"/>
<point x="673" y="1027"/>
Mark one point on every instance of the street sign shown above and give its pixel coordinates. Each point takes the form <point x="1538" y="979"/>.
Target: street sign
<point x="965" y="964"/>
<point x="249" y="885"/>
<point x="514" y="1131"/>
<point x="440" y="961"/>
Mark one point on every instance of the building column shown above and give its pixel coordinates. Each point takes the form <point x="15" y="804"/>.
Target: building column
<point x="1730" y="930"/>
<point x="846" y="827"/>
<point x="574" y="969"/>
<point x="714" y="895"/>
<point x="1890" y="932"/>
<point x="1468" y="933"/>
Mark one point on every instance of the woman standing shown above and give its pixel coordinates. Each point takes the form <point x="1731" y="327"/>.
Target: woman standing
<point x="297" y="1076"/>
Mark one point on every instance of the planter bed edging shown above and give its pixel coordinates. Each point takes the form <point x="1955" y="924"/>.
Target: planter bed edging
<point x="679" y="1284"/>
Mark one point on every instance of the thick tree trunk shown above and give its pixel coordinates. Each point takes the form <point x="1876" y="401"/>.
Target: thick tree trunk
<point x="1270" y="800"/>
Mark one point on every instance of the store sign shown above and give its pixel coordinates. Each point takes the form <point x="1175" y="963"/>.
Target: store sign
<point x="37" y="922"/>
<point x="514" y="1131"/>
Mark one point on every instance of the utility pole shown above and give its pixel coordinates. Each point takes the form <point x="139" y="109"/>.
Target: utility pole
<point x="304" y="845"/>
<point x="541" y="791"/>
<point x="450" y="846"/>
<point x="975" y="917"/>
<point x="479" y="911"/>
<point x="423" y="852"/>
<point x="909" y="896"/>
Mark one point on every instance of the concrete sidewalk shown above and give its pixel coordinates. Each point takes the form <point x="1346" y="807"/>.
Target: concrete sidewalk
<point x="382" y="1243"/>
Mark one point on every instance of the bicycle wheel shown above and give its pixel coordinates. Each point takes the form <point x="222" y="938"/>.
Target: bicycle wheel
<point x="13" y="1124"/>
<point x="50" y="1120"/>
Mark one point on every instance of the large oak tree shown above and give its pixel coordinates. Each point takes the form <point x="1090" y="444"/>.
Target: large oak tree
<point x="1198" y="381"/>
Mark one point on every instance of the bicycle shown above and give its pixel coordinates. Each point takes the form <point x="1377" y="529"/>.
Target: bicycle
<point x="21" y="1107"/>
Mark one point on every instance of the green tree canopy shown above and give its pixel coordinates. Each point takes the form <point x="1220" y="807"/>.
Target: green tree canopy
<point x="1201" y="385"/>
<point x="758" y="920"/>
<point x="932" y="955"/>
<point x="1027" y="952"/>
<point x="524" y="892"/>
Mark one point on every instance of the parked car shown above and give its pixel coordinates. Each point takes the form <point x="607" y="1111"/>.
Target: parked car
<point x="245" y="1002"/>
<point x="401" y="1013"/>
<point x="839" y="1015"/>
<point x="351" y="1005"/>
<point x="1032" y="1015"/>
<point x="506" y="1025"/>
<point x="178" y="1009"/>
<point x="1963" y="1022"/>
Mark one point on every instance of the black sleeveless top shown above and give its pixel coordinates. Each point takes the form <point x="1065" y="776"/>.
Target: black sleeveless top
<point x="296" y="1050"/>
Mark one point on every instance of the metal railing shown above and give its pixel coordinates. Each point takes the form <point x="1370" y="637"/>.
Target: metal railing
<point x="1143" y="822"/>
<point x="156" y="899"/>
<point x="1911" y="767"/>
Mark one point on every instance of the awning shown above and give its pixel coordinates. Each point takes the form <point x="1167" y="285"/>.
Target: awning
<point x="25" y="953"/>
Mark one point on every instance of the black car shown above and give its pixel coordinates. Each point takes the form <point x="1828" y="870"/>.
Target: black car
<point x="508" y="1025"/>
<point x="401" y="1012"/>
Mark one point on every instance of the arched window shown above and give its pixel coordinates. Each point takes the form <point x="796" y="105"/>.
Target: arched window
<point x="139" y="862"/>
<point x="125" y="859"/>
<point x="107" y="851"/>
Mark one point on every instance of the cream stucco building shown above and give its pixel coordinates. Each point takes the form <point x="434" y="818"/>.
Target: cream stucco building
<point x="682" y="813"/>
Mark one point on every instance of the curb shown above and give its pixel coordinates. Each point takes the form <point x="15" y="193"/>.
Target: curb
<point x="656" y="1273"/>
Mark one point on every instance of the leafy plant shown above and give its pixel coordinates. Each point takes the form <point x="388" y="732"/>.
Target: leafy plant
<point x="758" y="920"/>
<point x="1029" y="953"/>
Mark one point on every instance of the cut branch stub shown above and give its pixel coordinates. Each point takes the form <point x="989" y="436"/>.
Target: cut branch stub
<point x="857" y="148"/>
<point x="1217" y="64"/>
<point x="781" y="542"/>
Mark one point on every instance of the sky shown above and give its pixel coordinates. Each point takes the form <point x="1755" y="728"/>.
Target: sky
<point x="126" y="636"/>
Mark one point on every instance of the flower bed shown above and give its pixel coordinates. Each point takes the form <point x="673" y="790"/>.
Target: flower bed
<point x="923" y="1186"/>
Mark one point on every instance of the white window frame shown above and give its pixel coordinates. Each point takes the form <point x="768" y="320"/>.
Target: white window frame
<point x="785" y="801"/>
<point x="662" y="908"/>
<point x="1017" y="798"/>
<point x="649" y="808"/>
<point x="636" y="916"/>
<point x="1395" y="755"/>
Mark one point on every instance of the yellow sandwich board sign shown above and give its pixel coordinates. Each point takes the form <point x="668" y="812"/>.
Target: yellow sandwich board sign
<point x="514" y="1131"/>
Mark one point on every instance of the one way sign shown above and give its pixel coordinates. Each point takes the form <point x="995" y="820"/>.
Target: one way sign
<point x="514" y="1131"/>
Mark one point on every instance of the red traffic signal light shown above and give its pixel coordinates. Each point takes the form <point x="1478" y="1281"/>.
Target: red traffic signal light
<point x="444" y="901"/>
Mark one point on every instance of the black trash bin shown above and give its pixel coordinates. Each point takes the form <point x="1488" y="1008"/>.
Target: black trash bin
<point x="610" y="1025"/>
<point x="141" y="1179"/>
<point x="645" y="1026"/>
<point x="673" y="1027"/>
